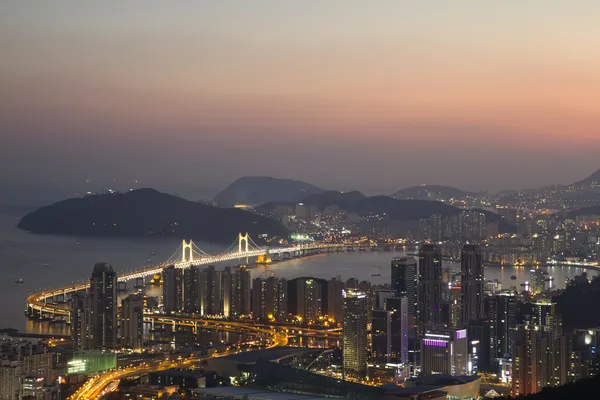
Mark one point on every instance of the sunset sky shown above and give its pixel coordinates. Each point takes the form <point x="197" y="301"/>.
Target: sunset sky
<point x="371" y="95"/>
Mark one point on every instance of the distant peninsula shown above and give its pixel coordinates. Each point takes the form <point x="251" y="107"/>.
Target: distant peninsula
<point x="147" y="213"/>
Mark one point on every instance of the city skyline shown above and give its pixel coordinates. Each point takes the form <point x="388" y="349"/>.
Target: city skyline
<point x="361" y="92"/>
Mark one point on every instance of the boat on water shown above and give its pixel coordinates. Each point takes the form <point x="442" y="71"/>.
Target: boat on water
<point x="513" y="277"/>
<point x="46" y="265"/>
<point x="153" y="254"/>
<point x="375" y="272"/>
<point x="19" y="281"/>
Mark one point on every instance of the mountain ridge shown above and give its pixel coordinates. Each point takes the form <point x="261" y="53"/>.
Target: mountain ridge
<point x="255" y="190"/>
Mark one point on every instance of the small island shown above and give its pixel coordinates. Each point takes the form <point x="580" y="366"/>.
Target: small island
<point x="147" y="213"/>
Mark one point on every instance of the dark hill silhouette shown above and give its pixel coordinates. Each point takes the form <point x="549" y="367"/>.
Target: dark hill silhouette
<point x="146" y="212"/>
<point x="595" y="177"/>
<point x="255" y="190"/>
<point x="593" y="210"/>
<point x="582" y="389"/>
<point x="431" y="192"/>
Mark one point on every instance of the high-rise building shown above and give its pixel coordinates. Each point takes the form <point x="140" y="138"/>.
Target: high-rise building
<point x="132" y="322"/>
<point x="445" y="351"/>
<point x="191" y="289"/>
<point x="472" y="301"/>
<point x="172" y="289"/>
<point x="269" y="298"/>
<point x="103" y="308"/>
<point x="306" y="298"/>
<point x="429" y="289"/>
<point x="80" y="316"/>
<point x="526" y="361"/>
<point x="355" y="333"/>
<point x="404" y="282"/>
<point x="500" y="326"/>
<point x="401" y="342"/>
<point x="210" y="291"/>
<point x="335" y="302"/>
<point x="236" y="291"/>
<point x="381" y="336"/>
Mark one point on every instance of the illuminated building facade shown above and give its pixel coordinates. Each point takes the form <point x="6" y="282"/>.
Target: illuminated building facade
<point x="103" y="308"/>
<point x="355" y="332"/>
<point x="445" y="351"/>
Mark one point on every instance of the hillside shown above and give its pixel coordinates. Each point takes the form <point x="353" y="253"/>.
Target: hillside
<point x="146" y="212"/>
<point x="431" y="192"/>
<point x="255" y="190"/>
<point x="398" y="210"/>
<point x="595" y="177"/>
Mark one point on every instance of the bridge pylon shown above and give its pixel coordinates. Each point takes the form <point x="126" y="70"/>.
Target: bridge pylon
<point x="187" y="246"/>
<point x="243" y="239"/>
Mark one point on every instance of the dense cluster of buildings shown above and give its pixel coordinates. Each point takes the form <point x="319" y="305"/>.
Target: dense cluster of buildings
<point x="26" y="370"/>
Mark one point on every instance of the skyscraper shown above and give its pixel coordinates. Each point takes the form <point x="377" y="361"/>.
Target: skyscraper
<point x="132" y="322"/>
<point x="472" y="301"/>
<point x="404" y="282"/>
<point x="501" y="324"/>
<point x="335" y="302"/>
<point x="526" y="361"/>
<point x="429" y="289"/>
<point x="269" y="298"/>
<point x="103" y="308"/>
<point x="355" y="333"/>
<point x="80" y="315"/>
<point x="381" y="336"/>
<point x="306" y="298"/>
<point x="401" y="343"/>
<point x="191" y="289"/>
<point x="210" y="291"/>
<point x="172" y="289"/>
<point x="236" y="291"/>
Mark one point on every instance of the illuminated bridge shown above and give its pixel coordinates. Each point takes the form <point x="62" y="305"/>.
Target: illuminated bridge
<point x="187" y="255"/>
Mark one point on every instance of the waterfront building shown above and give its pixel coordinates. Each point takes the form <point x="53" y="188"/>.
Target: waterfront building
<point x="445" y="351"/>
<point x="235" y="283"/>
<point x="172" y="289"/>
<point x="429" y="289"/>
<point x="269" y="298"/>
<point x="103" y="308"/>
<point x="355" y="333"/>
<point x="132" y="322"/>
<point x="191" y="289"/>
<point x="210" y="291"/>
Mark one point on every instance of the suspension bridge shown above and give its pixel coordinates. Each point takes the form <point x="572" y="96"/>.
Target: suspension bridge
<point x="187" y="255"/>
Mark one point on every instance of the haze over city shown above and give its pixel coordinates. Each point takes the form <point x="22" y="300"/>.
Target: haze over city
<point x="343" y="94"/>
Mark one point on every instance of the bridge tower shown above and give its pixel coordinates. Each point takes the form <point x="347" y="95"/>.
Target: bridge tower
<point x="243" y="239"/>
<point x="187" y="246"/>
